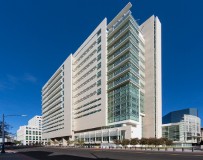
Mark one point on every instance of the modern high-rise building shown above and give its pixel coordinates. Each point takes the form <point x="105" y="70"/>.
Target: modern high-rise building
<point x="110" y="88"/>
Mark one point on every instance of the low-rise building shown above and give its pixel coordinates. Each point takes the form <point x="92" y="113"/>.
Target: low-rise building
<point x="182" y="126"/>
<point x="32" y="133"/>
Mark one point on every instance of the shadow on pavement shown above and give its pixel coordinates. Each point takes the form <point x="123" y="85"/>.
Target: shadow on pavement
<point x="47" y="156"/>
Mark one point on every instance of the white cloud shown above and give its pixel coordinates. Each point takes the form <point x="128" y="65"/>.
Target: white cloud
<point x="11" y="81"/>
<point x="30" y="78"/>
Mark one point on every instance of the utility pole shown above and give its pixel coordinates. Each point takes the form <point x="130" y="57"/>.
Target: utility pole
<point x="3" y="132"/>
<point x="3" y="136"/>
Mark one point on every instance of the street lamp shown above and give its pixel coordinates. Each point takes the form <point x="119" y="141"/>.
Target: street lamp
<point x="3" y="135"/>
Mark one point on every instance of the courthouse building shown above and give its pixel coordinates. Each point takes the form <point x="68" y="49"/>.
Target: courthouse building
<point x="110" y="88"/>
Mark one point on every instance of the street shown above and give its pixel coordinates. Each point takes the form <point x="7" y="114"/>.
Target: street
<point x="56" y="153"/>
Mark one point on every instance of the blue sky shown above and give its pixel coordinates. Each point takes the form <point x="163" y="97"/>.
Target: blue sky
<point x="37" y="36"/>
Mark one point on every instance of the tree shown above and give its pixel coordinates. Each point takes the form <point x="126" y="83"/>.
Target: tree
<point x="151" y="141"/>
<point x="134" y="141"/>
<point x="143" y="141"/>
<point x="160" y="141"/>
<point x="6" y="129"/>
<point x="80" y="142"/>
<point x="168" y="142"/>
<point x="116" y="141"/>
<point x="125" y="142"/>
<point x="17" y="142"/>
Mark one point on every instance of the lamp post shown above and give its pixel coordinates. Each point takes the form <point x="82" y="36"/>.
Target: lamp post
<point x="3" y="133"/>
<point x="3" y="137"/>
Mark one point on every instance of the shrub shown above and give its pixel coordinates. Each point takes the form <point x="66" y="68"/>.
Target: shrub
<point x="144" y="141"/>
<point x="134" y="141"/>
<point x="125" y="142"/>
<point x="117" y="141"/>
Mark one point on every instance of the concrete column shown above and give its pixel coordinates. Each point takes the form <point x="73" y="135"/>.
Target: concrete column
<point x="95" y="136"/>
<point x="109" y="135"/>
<point x="101" y="136"/>
<point x="118" y="134"/>
<point x="64" y="142"/>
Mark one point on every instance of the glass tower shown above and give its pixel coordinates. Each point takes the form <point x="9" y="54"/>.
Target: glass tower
<point x="125" y="70"/>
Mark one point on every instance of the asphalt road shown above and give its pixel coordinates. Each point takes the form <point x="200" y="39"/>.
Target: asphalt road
<point x="50" y="153"/>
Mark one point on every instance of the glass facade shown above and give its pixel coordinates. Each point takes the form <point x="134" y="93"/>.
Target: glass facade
<point x="123" y="103"/>
<point x="185" y="131"/>
<point x="171" y="132"/>
<point x="125" y="99"/>
<point x="177" y="116"/>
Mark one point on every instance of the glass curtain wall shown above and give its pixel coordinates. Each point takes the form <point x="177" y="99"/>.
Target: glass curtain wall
<point x="125" y="100"/>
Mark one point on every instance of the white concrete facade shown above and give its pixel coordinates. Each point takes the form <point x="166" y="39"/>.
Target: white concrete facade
<point x="80" y="99"/>
<point x="151" y="30"/>
<point x="89" y="81"/>
<point x="35" y="121"/>
<point x="187" y="131"/>
<point x="57" y="103"/>
<point x="29" y="135"/>
<point x="32" y="133"/>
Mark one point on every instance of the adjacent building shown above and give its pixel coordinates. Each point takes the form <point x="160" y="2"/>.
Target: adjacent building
<point x="9" y="139"/>
<point x="32" y="133"/>
<point x="110" y="88"/>
<point x="202" y="134"/>
<point x="182" y="126"/>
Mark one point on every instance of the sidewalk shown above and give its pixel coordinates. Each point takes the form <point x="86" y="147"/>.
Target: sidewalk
<point x="12" y="155"/>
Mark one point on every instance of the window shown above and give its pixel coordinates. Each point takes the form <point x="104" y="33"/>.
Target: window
<point x="99" y="65"/>
<point x="98" y="48"/>
<point x="99" y="32"/>
<point x="99" y="74"/>
<point x="98" y="57"/>
<point x="99" y="91"/>
<point x="99" y="82"/>
<point x="99" y="40"/>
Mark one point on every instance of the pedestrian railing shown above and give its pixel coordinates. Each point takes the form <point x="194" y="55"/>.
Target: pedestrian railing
<point x="142" y="148"/>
